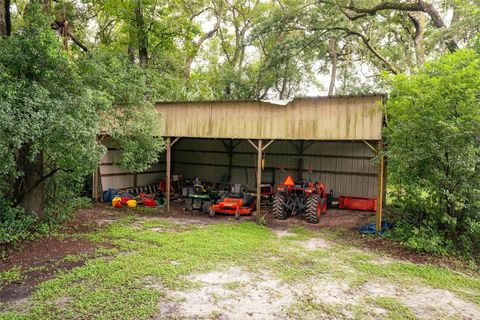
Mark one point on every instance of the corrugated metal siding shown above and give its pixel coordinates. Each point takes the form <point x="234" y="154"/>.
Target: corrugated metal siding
<point x="336" y="118"/>
<point x="352" y="161"/>
<point x="113" y="176"/>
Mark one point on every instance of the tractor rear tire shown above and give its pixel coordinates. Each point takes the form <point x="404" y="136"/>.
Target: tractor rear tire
<point x="279" y="211"/>
<point x="314" y="208"/>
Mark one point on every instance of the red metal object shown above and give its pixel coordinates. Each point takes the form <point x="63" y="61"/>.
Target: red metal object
<point x="357" y="203"/>
<point x="149" y="202"/>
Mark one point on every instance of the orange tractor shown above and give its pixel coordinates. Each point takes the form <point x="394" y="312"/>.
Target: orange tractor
<point x="300" y="198"/>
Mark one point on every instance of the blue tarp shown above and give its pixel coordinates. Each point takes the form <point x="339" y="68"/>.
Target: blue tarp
<point x="112" y="193"/>
<point x="370" y="228"/>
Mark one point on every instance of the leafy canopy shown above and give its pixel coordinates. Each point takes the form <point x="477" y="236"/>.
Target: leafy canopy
<point x="57" y="105"/>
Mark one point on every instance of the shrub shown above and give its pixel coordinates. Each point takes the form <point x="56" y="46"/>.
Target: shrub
<point x="433" y="149"/>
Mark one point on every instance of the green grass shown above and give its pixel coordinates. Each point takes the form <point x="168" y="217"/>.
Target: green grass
<point x="396" y="310"/>
<point x="307" y="308"/>
<point x="117" y="288"/>
<point x="128" y="280"/>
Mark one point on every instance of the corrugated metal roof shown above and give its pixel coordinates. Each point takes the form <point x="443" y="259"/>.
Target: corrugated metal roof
<point x="384" y="95"/>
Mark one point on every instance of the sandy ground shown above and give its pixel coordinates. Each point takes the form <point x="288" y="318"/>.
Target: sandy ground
<point x="234" y="293"/>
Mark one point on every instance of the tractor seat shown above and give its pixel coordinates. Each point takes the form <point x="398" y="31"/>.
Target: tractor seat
<point x="199" y="189"/>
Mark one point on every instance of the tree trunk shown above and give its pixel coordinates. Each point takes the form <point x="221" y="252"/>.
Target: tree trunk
<point x="332" y="52"/>
<point x="131" y="53"/>
<point x="5" y="19"/>
<point x="438" y="23"/>
<point x="418" y="20"/>
<point x="141" y="34"/>
<point x="29" y="188"/>
<point x="408" y="6"/>
<point x="33" y="200"/>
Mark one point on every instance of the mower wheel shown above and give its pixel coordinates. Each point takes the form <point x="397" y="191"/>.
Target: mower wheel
<point x="237" y="214"/>
<point x="206" y="206"/>
<point x="314" y="208"/>
<point x="279" y="211"/>
<point x="211" y="213"/>
<point x="188" y="204"/>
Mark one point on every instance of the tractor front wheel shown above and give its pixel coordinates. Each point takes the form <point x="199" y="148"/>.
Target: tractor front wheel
<point x="188" y="204"/>
<point x="279" y="211"/>
<point x="314" y="208"/>
<point x="206" y="206"/>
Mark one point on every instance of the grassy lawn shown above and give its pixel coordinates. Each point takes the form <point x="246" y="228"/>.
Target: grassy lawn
<point x="160" y="268"/>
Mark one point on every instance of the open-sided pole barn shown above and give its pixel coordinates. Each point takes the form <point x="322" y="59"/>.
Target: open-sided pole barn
<point x="332" y="119"/>
<point x="333" y="140"/>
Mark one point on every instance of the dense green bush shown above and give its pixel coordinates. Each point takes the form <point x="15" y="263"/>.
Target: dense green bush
<point x="433" y="149"/>
<point x="16" y="226"/>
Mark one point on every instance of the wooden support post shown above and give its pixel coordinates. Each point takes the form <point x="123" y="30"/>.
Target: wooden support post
<point x="378" y="217"/>
<point x="230" y="161"/>
<point x="259" y="177"/>
<point x="167" y="173"/>
<point x="94" y="185"/>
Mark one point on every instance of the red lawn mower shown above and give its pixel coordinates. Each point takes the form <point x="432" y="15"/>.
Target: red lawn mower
<point x="238" y="202"/>
<point x="300" y="198"/>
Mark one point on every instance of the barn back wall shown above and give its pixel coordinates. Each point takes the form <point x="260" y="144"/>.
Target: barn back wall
<point x="343" y="166"/>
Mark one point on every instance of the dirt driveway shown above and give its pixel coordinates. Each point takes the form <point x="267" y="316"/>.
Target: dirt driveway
<point x="146" y="264"/>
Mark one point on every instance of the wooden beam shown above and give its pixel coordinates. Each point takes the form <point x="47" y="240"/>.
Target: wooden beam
<point x="253" y="144"/>
<point x="329" y="156"/>
<point x="167" y="173"/>
<point x="174" y="141"/>
<point x="378" y="216"/>
<point x="268" y="144"/>
<point x="259" y="178"/>
<point x="370" y="146"/>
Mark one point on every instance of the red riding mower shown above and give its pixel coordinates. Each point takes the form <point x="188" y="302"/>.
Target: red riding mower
<point x="301" y="198"/>
<point x="239" y="202"/>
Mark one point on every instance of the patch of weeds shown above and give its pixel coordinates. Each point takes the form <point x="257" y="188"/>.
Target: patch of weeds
<point x="299" y="264"/>
<point x="332" y="234"/>
<point x="300" y="232"/>
<point x="75" y="257"/>
<point x="215" y="315"/>
<point x="396" y="310"/>
<point x="158" y="223"/>
<point x="106" y="251"/>
<point x="308" y="308"/>
<point x="11" y="275"/>
<point x="235" y="285"/>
